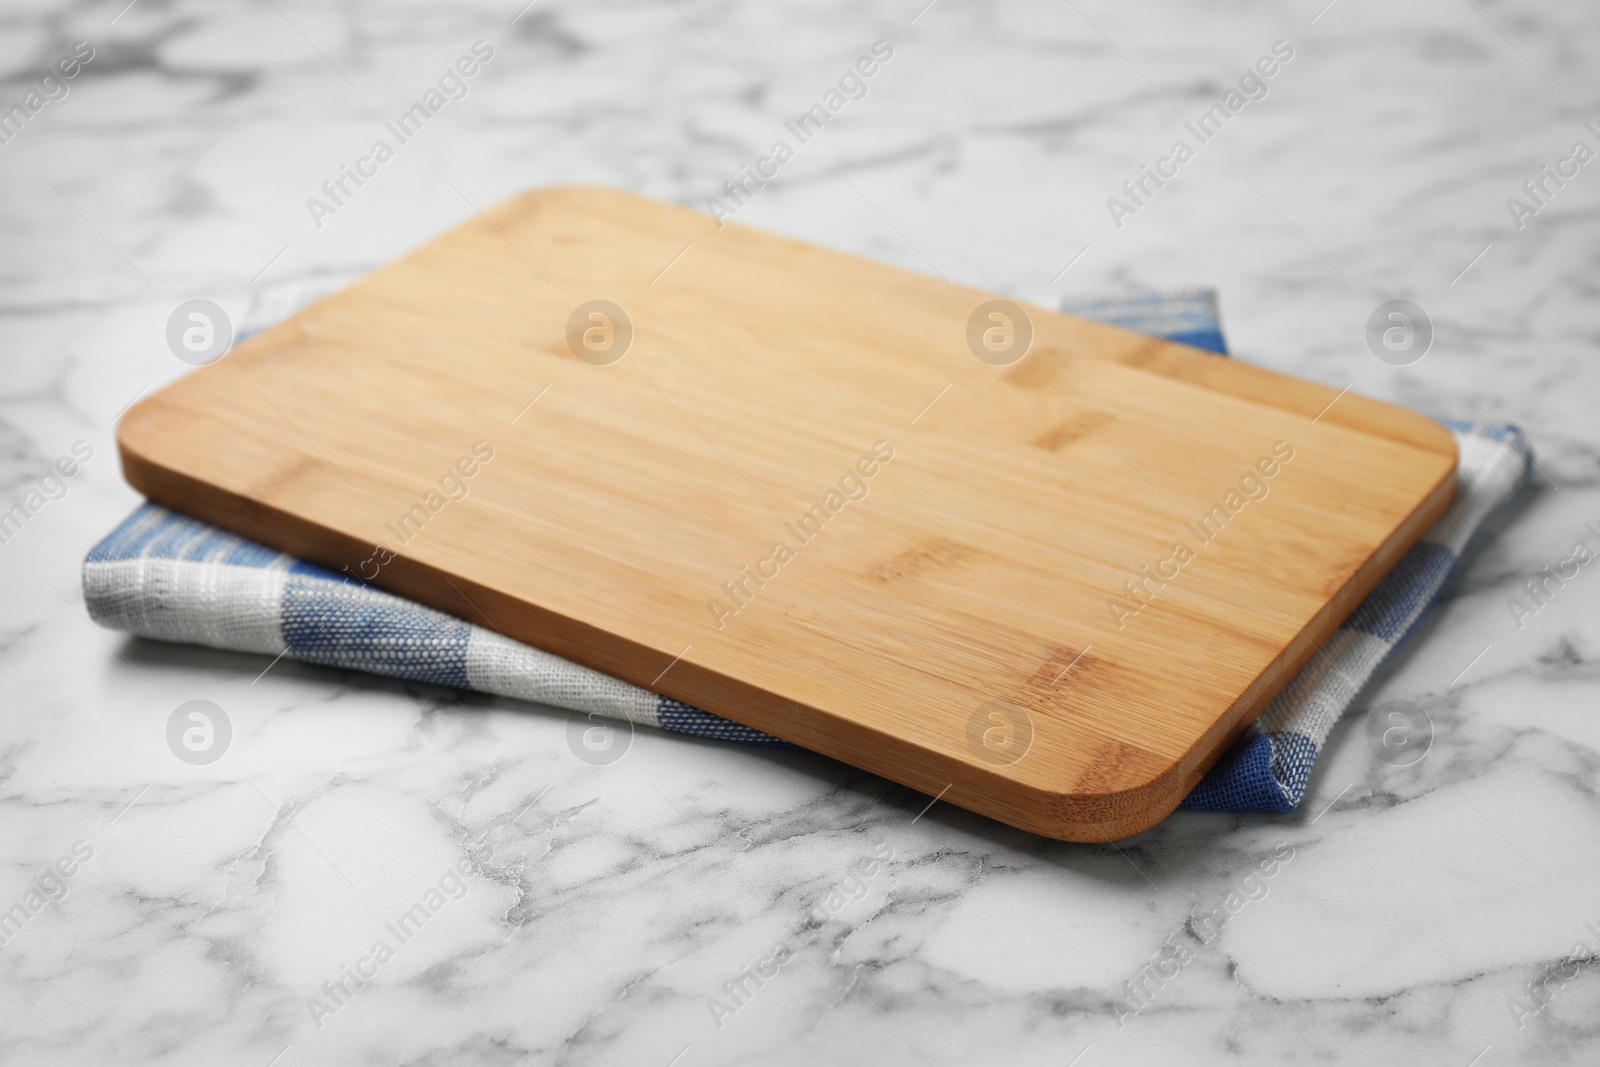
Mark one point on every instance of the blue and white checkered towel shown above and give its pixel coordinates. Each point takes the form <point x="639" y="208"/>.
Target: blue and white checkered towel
<point x="167" y="576"/>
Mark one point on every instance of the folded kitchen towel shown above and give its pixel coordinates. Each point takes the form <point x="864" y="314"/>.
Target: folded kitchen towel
<point x="167" y="576"/>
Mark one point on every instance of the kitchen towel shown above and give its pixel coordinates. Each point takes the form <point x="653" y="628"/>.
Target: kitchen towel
<point x="164" y="575"/>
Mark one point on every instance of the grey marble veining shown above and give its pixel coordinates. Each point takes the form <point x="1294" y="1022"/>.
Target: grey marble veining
<point x="700" y="904"/>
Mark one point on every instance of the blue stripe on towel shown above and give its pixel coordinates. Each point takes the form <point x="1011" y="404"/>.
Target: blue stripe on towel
<point x="330" y="621"/>
<point x="684" y="719"/>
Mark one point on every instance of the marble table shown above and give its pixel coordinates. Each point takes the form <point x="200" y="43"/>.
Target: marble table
<point x="697" y="904"/>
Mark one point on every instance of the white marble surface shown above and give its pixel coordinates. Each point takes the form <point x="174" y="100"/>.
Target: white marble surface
<point x="605" y="906"/>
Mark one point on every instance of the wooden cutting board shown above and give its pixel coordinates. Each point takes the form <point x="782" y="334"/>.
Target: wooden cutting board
<point x="1043" y="568"/>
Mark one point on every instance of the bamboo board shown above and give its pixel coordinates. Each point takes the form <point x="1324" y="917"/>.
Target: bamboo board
<point x="821" y="496"/>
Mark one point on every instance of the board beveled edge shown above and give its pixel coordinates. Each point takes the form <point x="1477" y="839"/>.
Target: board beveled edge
<point x="1094" y="812"/>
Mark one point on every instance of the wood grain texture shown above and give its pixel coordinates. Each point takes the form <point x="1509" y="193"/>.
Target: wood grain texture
<point x="976" y="574"/>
